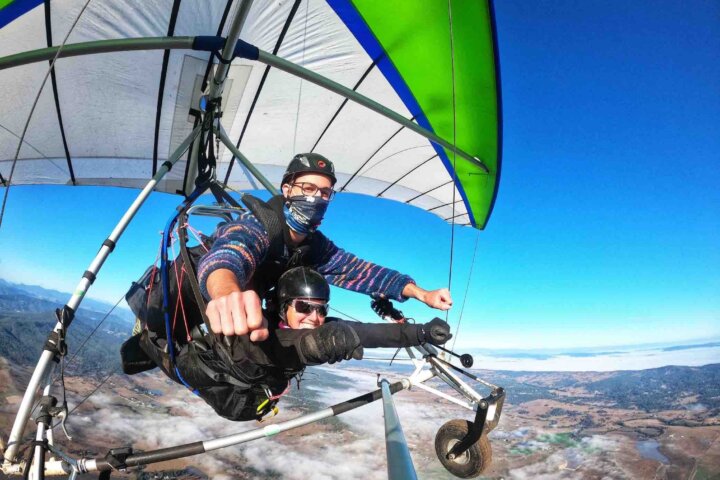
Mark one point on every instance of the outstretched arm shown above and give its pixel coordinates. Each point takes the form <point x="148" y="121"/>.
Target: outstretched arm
<point x="345" y="270"/>
<point x="439" y="298"/>
<point x="342" y="340"/>
<point x="233" y="311"/>
<point x="224" y="274"/>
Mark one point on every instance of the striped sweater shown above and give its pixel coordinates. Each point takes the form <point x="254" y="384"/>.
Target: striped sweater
<point x="241" y="246"/>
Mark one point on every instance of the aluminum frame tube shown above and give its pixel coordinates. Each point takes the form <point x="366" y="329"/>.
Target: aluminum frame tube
<point x="399" y="462"/>
<point x="218" y="83"/>
<point x="43" y="432"/>
<point x="267" y="431"/>
<point x="163" y="43"/>
<point x="180" y="451"/>
<point x="220" y="132"/>
<point x="46" y="357"/>
<point x="99" y="46"/>
<point x="317" y="79"/>
<point x="39" y="376"/>
<point x="454" y="381"/>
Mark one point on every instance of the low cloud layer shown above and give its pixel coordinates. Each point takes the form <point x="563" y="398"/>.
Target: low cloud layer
<point x="588" y="361"/>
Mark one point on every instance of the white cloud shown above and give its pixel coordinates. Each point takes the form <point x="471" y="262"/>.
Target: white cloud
<point x="624" y="360"/>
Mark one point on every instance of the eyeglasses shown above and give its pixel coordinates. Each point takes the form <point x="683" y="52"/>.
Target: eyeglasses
<point x="306" y="308"/>
<point x="311" y="190"/>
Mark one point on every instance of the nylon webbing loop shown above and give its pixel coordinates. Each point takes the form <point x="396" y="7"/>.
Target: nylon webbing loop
<point x="218" y="56"/>
<point x="55" y="343"/>
<point x="65" y="315"/>
<point x="222" y="196"/>
<point x="191" y="274"/>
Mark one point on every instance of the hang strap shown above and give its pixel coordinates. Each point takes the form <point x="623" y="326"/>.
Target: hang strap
<point x="269" y="219"/>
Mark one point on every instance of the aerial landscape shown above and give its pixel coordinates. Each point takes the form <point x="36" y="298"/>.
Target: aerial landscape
<point x="247" y="197"/>
<point x="654" y="423"/>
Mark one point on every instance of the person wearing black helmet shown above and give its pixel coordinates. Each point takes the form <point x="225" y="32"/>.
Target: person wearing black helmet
<point x="248" y="385"/>
<point x="250" y="254"/>
<point x="302" y="296"/>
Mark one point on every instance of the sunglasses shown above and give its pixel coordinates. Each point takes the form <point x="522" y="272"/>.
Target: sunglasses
<point x="306" y="308"/>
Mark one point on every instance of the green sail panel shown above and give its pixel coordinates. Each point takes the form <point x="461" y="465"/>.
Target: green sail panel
<point x="417" y="38"/>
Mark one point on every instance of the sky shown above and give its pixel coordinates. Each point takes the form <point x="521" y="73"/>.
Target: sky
<point x="606" y="229"/>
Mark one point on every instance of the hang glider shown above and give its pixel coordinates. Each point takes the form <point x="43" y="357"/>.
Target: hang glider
<point x="113" y="118"/>
<point x="402" y="96"/>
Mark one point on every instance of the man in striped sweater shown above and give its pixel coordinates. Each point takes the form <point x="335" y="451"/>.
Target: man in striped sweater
<point x="240" y="268"/>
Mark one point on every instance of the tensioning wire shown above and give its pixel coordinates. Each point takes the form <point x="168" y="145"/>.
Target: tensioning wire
<point x="297" y="111"/>
<point x="75" y="354"/>
<point x="32" y="110"/>
<point x="454" y="173"/>
<point x="467" y="289"/>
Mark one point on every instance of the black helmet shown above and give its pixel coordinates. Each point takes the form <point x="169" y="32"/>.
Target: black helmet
<point x="309" y="163"/>
<point x="301" y="282"/>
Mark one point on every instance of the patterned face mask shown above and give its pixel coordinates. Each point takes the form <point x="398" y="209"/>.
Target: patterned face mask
<point x="304" y="214"/>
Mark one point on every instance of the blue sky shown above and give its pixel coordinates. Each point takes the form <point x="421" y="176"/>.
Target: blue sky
<point x="606" y="229"/>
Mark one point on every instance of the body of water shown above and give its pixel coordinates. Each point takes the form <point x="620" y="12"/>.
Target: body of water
<point x="650" y="449"/>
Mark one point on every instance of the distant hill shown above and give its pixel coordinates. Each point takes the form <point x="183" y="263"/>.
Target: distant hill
<point x="59" y="298"/>
<point x="651" y="390"/>
<point x="27" y="315"/>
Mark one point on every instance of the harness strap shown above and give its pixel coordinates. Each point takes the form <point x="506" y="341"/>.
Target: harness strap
<point x="220" y="376"/>
<point x="269" y="219"/>
<point x="192" y="275"/>
<point x="213" y="339"/>
<point x="222" y="196"/>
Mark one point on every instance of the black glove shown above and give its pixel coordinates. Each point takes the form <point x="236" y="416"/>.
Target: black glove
<point x="384" y="308"/>
<point x="330" y="343"/>
<point x="436" y="331"/>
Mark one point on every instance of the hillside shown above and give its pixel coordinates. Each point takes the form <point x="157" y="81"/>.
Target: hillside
<point x="27" y="314"/>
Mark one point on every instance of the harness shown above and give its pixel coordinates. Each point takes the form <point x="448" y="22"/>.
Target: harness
<point x="186" y="342"/>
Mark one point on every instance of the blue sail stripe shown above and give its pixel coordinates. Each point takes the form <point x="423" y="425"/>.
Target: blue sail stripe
<point x="364" y="35"/>
<point x="16" y="9"/>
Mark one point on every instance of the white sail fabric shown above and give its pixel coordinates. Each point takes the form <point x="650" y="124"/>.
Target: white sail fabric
<point x="108" y="103"/>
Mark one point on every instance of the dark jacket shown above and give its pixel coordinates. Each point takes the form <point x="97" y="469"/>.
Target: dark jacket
<point x="236" y="388"/>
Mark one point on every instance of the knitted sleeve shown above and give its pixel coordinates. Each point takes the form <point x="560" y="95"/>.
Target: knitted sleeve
<point x="345" y="270"/>
<point x="239" y="246"/>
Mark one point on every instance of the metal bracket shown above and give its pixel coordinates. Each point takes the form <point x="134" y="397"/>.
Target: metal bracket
<point x="489" y="407"/>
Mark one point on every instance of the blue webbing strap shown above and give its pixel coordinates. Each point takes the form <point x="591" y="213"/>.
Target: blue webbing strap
<point x="165" y="280"/>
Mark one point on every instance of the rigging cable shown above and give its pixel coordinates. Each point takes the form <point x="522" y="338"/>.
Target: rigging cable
<point x="85" y="398"/>
<point x="467" y="289"/>
<point x="112" y="372"/>
<point x="32" y="110"/>
<point x="297" y="112"/>
<point x="94" y="330"/>
<point x="344" y="314"/>
<point x="66" y="365"/>
<point x="275" y="51"/>
<point x="454" y="174"/>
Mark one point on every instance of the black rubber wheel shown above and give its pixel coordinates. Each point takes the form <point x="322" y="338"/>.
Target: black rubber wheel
<point x="470" y="463"/>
